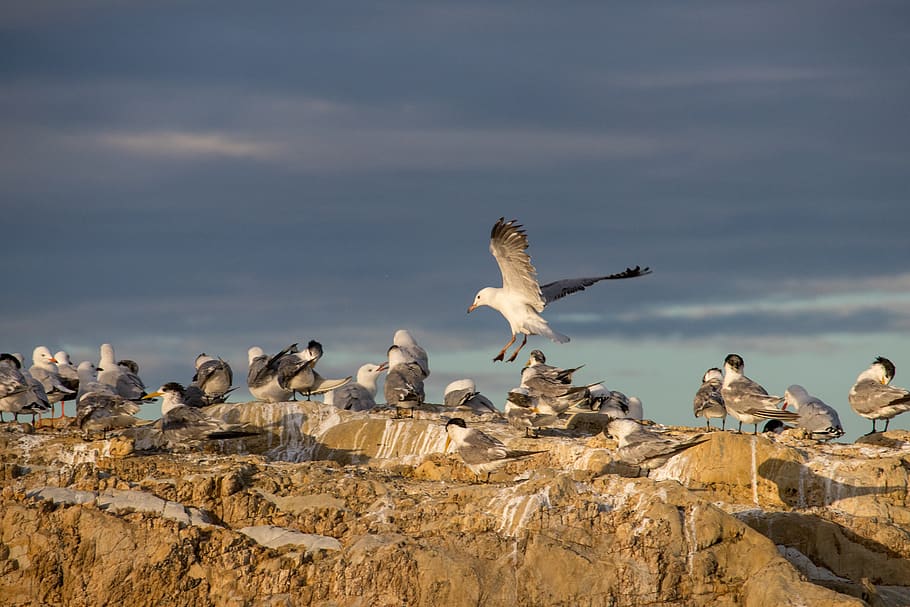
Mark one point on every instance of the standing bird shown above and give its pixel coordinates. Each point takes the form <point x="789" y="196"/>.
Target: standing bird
<point x="708" y="401"/>
<point x="480" y="452"/>
<point x="122" y="376"/>
<point x="521" y="298"/>
<point x="297" y="372"/>
<point x="522" y="414"/>
<point x="746" y="400"/>
<point x="874" y="398"/>
<point x="412" y="350"/>
<point x="36" y="401"/>
<point x="359" y="395"/>
<point x="14" y="388"/>
<point x="88" y="381"/>
<point x="181" y="423"/>
<point x="462" y="394"/>
<point x="44" y="369"/>
<point x="639" y="446"/>
<point x="103" y="411"/>
<point x="820" y="419"/>
<point x="262" y="378"/>
<point x="213" y="377"/>
<point x="69" y="377"/>
<point x="404" y="382"/>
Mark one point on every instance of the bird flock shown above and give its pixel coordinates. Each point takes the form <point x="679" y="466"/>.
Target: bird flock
<point x="109" y="394"/>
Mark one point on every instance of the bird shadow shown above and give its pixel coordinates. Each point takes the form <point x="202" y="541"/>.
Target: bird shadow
<point x="799" y="487"/>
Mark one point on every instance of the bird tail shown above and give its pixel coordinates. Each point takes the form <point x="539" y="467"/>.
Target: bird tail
<point x="543" y="328"/>
<point x="784" y="416"/>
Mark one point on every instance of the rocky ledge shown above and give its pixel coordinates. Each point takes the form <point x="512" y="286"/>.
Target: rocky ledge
<point x="328" y="507"/>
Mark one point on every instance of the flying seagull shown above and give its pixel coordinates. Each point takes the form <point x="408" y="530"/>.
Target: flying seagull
<point x="521" y="298"/>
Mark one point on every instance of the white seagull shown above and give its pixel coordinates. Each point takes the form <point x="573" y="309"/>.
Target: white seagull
<point x="480" y="452"/>
<point x="708" y="401"/>
<point x="819" y="418"/>
<point x="359" y="395"/>
<point x="874" y="398"/>
<point x="521" y="298"/>
<point x="746" y="400"/>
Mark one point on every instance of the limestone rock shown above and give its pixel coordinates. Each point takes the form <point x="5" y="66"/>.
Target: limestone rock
<point x="353" y="509"/>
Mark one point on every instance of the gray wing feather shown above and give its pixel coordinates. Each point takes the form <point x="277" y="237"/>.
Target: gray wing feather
<point x="509" y="244"/>
<point x="560" y="288"/>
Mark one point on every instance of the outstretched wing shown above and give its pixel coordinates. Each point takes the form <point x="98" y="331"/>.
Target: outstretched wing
<point x="560" y="288"/>
<point x="509" y="245"/>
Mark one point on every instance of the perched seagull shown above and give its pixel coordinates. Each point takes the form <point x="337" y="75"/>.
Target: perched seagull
<point x="708" y="401"/>
<point x="44" y="369"/>
<point x="552" y="386"/>
<point x="359" y="395"/>
<point x="462" y="394"/>
<point x="412" y="350"/>
<point x="69" y="377"/>
<point x="129" y="385"/>
<point x="639" y="446"/>
<point x="746" y="400"/>
<point x="521" y="413"/>
<point x="480" y="452"/>
<point x="874" y="398"/>
<point x="636" y="409"/>
<point x="262" y="378"/>
<point x="404" y="382"/>
<point x="103" y="411"/>
<point x="14" y="389"/>
<point x="608" y="402"/>
<point x="820" y="419"/>
<point x="88" y="380"/>
<point x="180" y="423"/>
<point x="296" y="370"/>
<point x="521" y="298"/>
<point x="213" y="378"/>
<point x="36" y="401"/>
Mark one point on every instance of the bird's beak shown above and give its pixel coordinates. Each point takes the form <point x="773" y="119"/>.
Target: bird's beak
<point x="52" y="359"/>
<point x="152" y="395"/>
<point x="472" y="307"/>
<point x="448" y="440"/>
<point x="783" y="406"/>
<point x="98" y="369"/>
<point x="883" y="380"/>
<point x="383" y="366"/>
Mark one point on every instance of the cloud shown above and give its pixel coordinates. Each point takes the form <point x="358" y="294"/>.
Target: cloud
<point x="183" y="144"/>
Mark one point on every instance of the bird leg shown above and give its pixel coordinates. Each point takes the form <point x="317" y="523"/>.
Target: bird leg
<point x="887" y="421"/>
<point x="502" y="353"/>
<point x="515" y="353"/>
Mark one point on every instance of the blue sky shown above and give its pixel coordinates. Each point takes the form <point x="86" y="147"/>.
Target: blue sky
<point x="184" y="177"/>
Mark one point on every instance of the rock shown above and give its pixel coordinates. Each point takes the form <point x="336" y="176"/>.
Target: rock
<point x="352" y="509"/>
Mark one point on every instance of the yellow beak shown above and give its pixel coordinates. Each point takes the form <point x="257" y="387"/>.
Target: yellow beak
<point x="448" y="440"/>
<point x="152" y="395"/>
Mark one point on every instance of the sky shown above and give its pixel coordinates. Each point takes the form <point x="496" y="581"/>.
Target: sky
<point x="186" y="177"/>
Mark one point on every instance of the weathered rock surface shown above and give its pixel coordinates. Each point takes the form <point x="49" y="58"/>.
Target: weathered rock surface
<point x="328" y="507"/>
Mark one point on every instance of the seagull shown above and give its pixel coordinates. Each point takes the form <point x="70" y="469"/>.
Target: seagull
<point x="88" y="380"/>
<point x="639" y="446"/>
<point x="213" y="378"/>
<point x="708" y="401"/>
<point x="44" y="369"/>
<point x="14" y="389"/>
<point x="746" y="400"/>
<point x="129" y="385"/>
<point x="359" y="395"/>
<point x="69" y="377"/>
<point x="103" y="411"/>
<point x="296" y="370"/>
<point x="874" y="398"/>
<point x="181" y="423"/>
<point x="412" y="350"/>
<point x="521" y="298"/>
<point x="480" y="452"/>
<point x="820" y="419"/>
<point x="404" y="382"/>
<point x="262" y="378"/>
<point x="36" y="401"/>
<point x="521" y="413"/>
<point x="462" y="394"/>
<point x="608" y="402"/>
